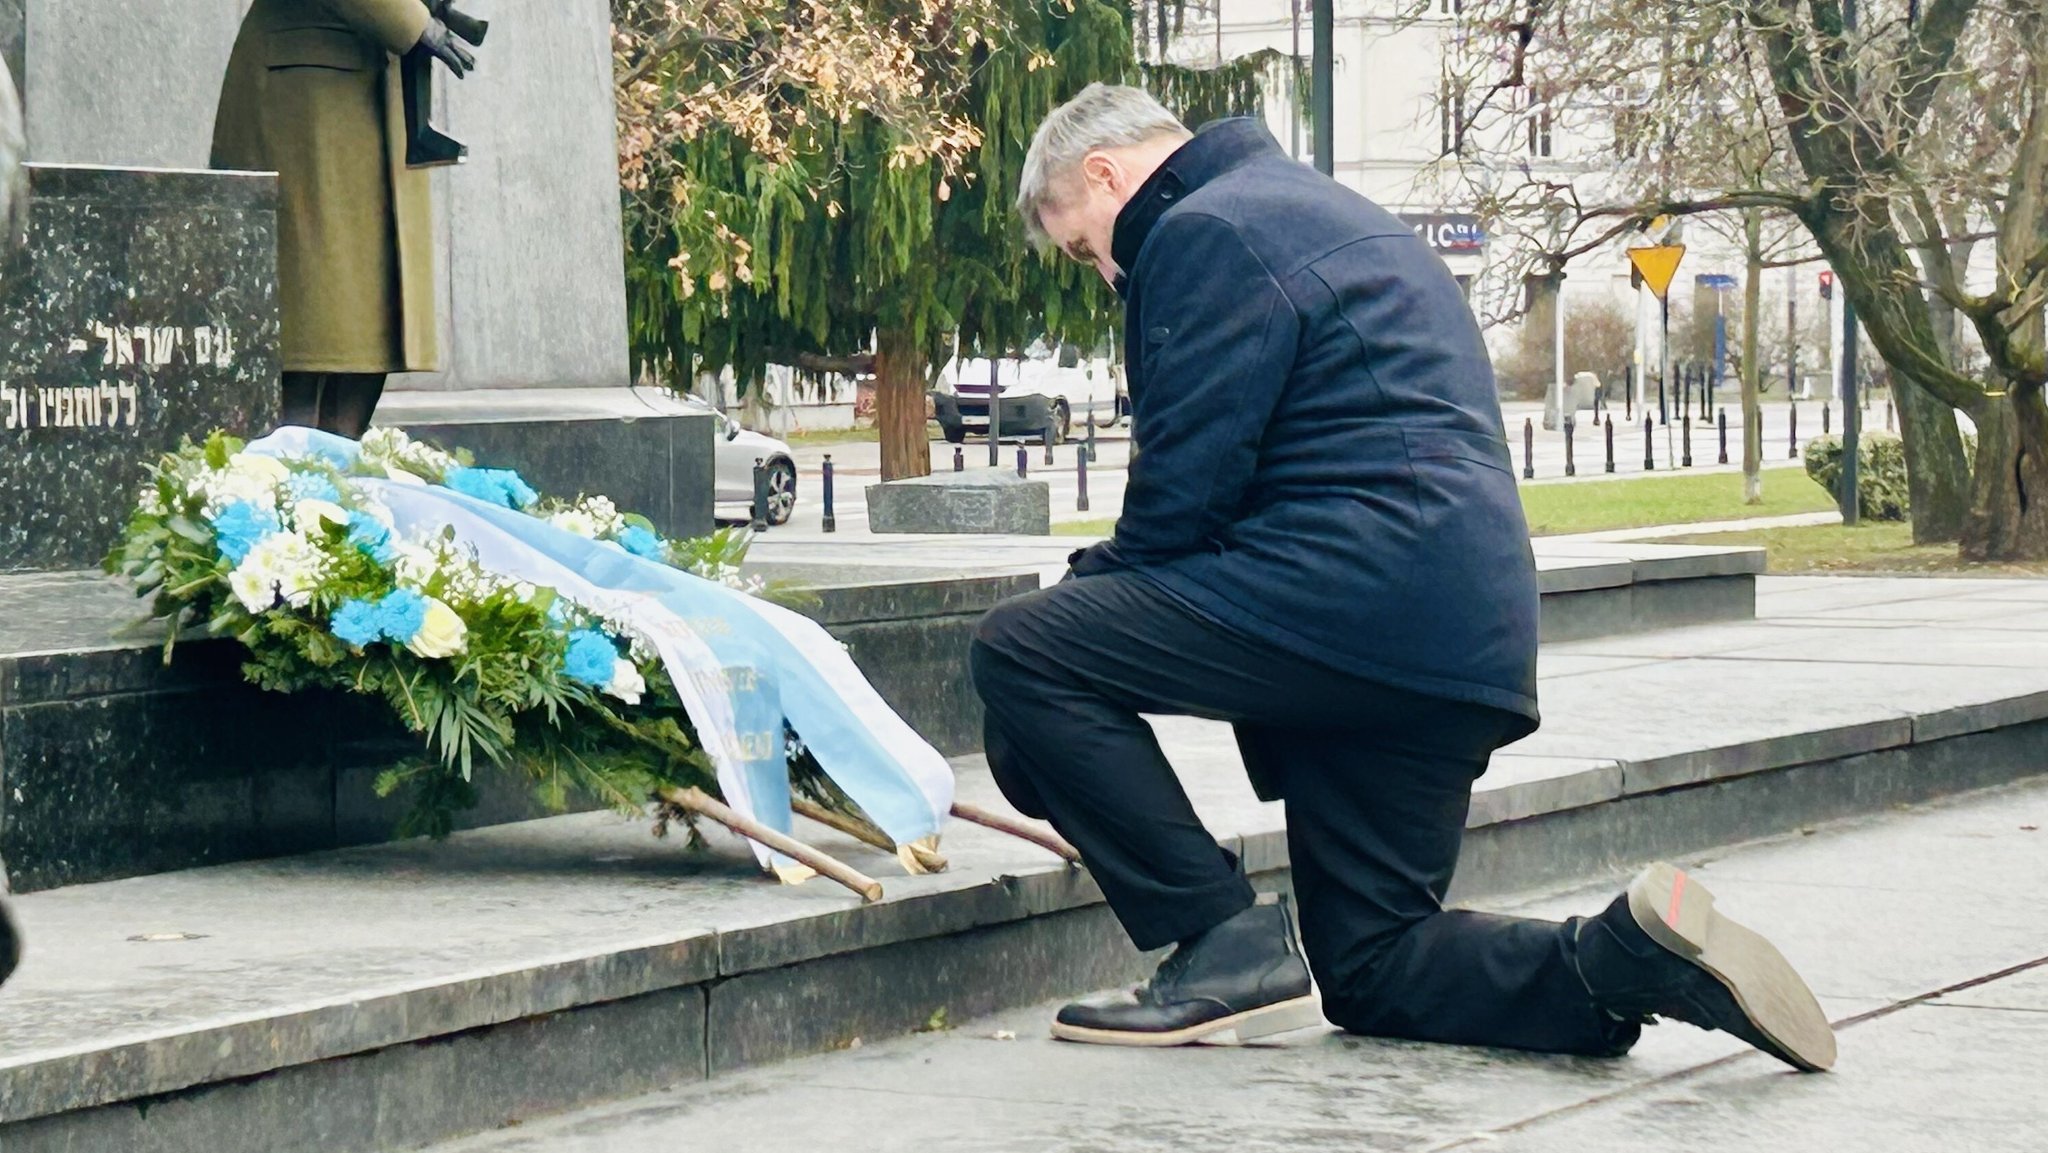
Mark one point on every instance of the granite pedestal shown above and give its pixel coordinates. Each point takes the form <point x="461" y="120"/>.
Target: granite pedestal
<point x="143" y="312"/>
<point x="113" y="764"/>
<point x="961" y="502"/>
<point x="650" y="454"/>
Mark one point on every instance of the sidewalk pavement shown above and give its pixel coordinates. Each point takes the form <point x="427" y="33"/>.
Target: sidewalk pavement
<point x="1747" y="524"/>
<point x="1906" y="924"/>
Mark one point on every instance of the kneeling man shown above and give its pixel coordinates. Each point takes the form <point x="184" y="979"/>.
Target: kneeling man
<point x="1322" y="544"/>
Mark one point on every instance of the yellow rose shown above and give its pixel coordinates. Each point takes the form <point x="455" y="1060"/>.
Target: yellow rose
<point x="442" y="633"/>
<point x="312" y="512"/>
<point x="267" y="469"/>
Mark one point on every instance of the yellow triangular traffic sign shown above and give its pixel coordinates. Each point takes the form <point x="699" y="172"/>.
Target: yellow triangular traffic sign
<point x="1657" y="265"/>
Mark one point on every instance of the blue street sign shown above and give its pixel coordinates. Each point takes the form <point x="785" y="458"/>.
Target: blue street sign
<point x="1719" y="281"/>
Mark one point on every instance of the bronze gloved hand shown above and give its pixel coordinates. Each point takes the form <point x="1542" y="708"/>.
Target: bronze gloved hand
<point x="443" y="45"/>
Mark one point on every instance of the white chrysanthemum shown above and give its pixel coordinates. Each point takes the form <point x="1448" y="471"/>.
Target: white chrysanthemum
<point x="151" y="502"/>
<point x="255" y="588"/>
<point x="575" y="520"/>
<point x="627" y="684"/>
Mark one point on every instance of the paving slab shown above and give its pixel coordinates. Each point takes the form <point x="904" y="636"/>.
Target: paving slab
<point x="157" y="984"/>
<point x="1935" y="1076"/>
<point x="1925" y="1080"/>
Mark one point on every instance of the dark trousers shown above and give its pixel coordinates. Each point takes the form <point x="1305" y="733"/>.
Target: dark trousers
<point x="337" y="402"/>
<point x="1377" y="783"/>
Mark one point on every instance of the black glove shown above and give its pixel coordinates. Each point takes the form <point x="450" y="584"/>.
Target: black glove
<point x="443" y="45"/>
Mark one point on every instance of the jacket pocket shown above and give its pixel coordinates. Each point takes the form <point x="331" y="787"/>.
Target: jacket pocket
<point x="333" y="48"/>
<point x="1449" y="444"/>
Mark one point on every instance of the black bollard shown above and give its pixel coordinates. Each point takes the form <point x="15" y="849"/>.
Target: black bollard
<point x="1080" y="482"/>
<point x="1023" y="461"/>
<point x="1610" y="444"/>
<point x="1663" y="405"/>
<point x="1685" y="436"/>
<point x="1571" y="467"/>
<point x="1047" y="437"/>
<point x="1723" y="419"/>
<point x="831" y="521"/>
<point x="1827" y="418"/>
<point x="760" y="520"/>
<point x="1528" y="450"/>
<point x="1649" y="444"/>
<point x="1793" y="437"/>
<point x="959" y="459"/>
<point x="1089" y="447"/>
<point x="1628" y="394"/>
<point x="1685" y="390"/>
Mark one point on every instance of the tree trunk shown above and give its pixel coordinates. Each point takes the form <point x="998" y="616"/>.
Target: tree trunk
<point x="1937" y="467"/>
<point x="2008" y="518"/>
<point x="1752" y="370"/>
<point x="899" y="406"/>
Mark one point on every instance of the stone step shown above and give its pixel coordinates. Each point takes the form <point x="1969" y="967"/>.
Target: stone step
<point x="115" y="765"/>
<point x="381" y="997"/>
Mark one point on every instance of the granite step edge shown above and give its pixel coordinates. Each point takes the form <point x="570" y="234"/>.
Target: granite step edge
<point x="133" y="1067"/>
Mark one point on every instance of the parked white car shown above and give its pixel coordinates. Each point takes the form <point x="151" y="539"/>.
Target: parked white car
<point x="1035" y="391"/>
<point x="735" y="452"/>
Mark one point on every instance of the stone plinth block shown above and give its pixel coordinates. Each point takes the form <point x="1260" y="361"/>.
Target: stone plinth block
<point x="962" y="502"/>
<point x="143" y="312"/>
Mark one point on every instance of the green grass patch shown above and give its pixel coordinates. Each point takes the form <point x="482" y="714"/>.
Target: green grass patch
<point x="1599" y="505"/>
<point x="831" y="436"/>
<point x="1102" y="526"/>
<point x="1876" y="547"/>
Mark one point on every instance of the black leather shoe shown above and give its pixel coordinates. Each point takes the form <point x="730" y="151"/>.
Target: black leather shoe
<point x="1662" y="950"/>
<point x="10" y="945"/>
<point x="1240" y="981"/>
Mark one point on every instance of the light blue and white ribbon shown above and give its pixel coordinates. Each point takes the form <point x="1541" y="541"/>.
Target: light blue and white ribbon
<point x="741" y="666"/>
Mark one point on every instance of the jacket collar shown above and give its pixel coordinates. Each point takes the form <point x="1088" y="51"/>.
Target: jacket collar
<point x="1215" y="150"/>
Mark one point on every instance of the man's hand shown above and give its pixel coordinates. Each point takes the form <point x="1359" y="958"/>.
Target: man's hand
<point x="442" y="43"/>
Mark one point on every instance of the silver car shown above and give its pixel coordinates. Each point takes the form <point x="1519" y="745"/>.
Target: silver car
<point x="735" y="453"/>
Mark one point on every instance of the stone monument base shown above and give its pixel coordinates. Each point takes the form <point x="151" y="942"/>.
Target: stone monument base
<point x="646" y="451"/>
<point x="962" y="502"/>
<point x="114" y="764"/>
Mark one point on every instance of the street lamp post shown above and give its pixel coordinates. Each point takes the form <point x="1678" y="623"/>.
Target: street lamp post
<point x="1322" y="100"/>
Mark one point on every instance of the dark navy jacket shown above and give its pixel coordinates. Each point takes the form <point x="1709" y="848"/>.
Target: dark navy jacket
<point x="1321" y="459"/>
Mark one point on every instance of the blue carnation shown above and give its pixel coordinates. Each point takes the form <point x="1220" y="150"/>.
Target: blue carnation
<point x="357" y="622"/>
<point x="312" y="486"/>
<point x="400" y="615"/>
<point x="643" y="542"/>
<point x="471" y="482"/>
<point x="369" y="534"/>
<point x="590" y="658"/>
<point x="518" y="493"/>
<point x="498" y="486"/>
<point x="240" y="527"/>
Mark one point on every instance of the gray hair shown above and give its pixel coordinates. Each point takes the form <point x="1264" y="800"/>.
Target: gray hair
<point x="1102" y="116"/>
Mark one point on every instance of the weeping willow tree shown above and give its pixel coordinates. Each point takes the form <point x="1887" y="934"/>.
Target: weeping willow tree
<point x="831" y="189"/>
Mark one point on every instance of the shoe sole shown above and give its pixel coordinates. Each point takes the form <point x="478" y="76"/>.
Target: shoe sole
<point x="1679" y="914"/>
<point x="1237" y="1029"/>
